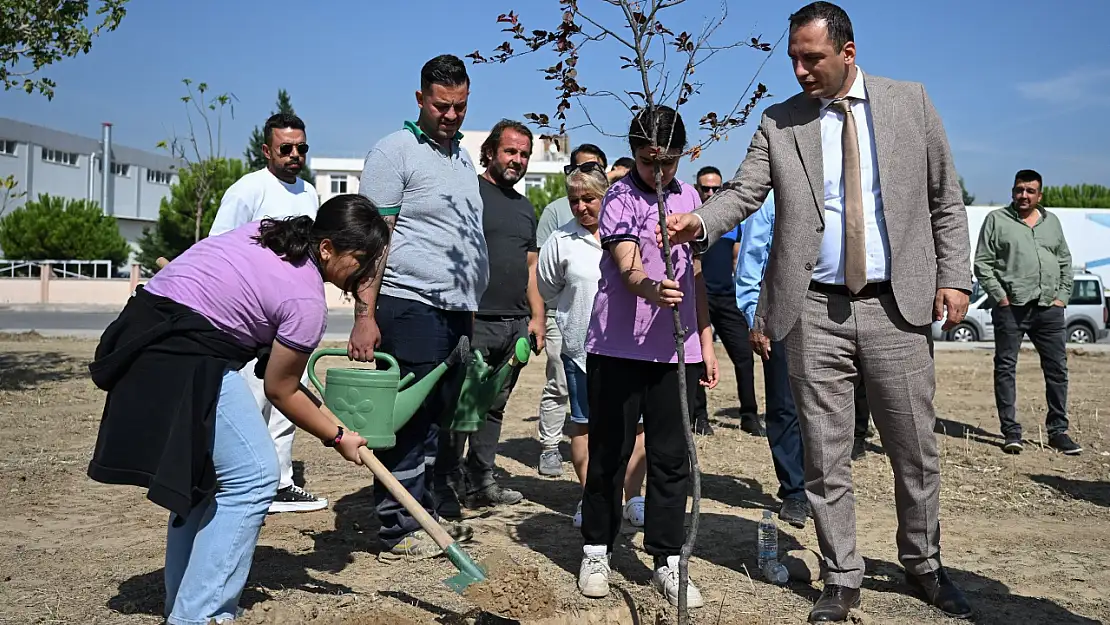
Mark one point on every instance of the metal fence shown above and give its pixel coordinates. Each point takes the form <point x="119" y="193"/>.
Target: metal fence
<point x="59" y="269"/>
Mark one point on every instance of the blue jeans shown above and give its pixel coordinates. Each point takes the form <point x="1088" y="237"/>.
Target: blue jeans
<point x="576" y="390"/>
<point x="209" y="556"/>
<point x="784" y="435"/>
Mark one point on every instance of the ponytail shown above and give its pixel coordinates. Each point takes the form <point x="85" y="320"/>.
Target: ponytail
<point x="290" y="238"/>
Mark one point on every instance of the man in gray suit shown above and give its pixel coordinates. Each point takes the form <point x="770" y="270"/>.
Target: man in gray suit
<point x="871" y="246"/>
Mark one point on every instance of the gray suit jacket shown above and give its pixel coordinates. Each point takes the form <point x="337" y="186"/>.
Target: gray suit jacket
<point x="925" y="217"/>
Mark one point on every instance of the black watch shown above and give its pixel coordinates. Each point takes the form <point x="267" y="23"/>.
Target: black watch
<point x="335" y="441"/>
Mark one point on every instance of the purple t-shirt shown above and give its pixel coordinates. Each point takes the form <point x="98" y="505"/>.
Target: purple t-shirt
<point x="624" y="325"/>
<point x="248" y="291"/>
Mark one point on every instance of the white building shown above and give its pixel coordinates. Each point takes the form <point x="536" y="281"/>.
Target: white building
<point x="335" y="176"/>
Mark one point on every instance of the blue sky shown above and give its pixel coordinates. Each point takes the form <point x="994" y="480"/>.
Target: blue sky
<point x="1018" y="83"/>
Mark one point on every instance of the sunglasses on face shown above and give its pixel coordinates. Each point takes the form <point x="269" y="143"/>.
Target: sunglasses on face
<point x="710" y="190"/>
<point x="586" y="167"/>
<point x="286" y="149"/>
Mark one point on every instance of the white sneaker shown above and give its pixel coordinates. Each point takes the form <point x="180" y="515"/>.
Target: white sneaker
<point x="578" y="515"/>
<point x="593" y="574"/>
<point x="665" y="580"/>
<point x="634" y="511"/>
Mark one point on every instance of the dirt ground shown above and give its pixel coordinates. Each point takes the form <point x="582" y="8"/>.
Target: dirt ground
<point x="1027" y="537"/>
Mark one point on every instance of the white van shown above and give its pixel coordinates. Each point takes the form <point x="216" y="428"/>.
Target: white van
<point x="1086" y="314"/>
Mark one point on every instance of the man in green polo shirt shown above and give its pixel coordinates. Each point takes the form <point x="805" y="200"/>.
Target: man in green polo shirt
<point x="424" y="296"/>
<point x="1024" y="264"/>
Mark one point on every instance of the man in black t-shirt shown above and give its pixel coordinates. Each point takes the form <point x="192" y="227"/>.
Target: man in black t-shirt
<point x="510" y="308"/>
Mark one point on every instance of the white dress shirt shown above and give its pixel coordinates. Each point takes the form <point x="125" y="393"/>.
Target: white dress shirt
<point x="830" y="260"/>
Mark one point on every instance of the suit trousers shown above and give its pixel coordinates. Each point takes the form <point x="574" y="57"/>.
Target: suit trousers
<point x="836" y="341"/>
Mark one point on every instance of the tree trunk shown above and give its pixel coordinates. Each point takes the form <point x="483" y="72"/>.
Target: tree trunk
<point x="683" y="398"/>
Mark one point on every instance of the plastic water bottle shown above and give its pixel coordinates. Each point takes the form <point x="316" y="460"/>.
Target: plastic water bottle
<point x="768" y="540"/>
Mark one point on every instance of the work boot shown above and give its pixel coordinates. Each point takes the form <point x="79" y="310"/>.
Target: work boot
<point x="702" y="426"/>
<point x="492" y="496"/>
<point x="446" y="493"/>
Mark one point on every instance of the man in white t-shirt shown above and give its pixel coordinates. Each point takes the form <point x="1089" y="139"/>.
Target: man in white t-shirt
<point x="275" y="192"/>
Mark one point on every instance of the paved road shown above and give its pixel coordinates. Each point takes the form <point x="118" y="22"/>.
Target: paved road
<point x="91" y="324"/>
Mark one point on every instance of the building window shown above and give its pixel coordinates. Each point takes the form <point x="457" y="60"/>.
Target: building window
<point x="338" y="183"/>
<point x="533" y="181"/>
<point x="119" y="169"/>
<point x="59" y="158"/>
<point x="7" y="147"/>
<point x="158" y="177"/>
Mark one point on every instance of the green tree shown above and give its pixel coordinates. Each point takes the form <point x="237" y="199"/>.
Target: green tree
<point x="554" y="187"/>
<point x="38" y="33"/>
<point x="969" y="199"/>
<point x="253" y="155"/>
<point x="1077" y="196"/>
<point x="62" y="229"/>
<point x="200" y="156"/>
<point x="175" y="229"/>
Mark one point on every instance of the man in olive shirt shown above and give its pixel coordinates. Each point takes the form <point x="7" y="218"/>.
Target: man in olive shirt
<point x="1023" y="263"/>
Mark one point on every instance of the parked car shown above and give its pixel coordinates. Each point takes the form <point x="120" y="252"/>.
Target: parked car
<point x="1087" y="314"/>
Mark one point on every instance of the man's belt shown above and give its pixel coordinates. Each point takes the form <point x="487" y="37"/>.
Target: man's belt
<point x="870" y="290"/>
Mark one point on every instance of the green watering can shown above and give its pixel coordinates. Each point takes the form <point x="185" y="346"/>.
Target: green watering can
<point x="376" y="403"/>
<point x="481" y="387"/>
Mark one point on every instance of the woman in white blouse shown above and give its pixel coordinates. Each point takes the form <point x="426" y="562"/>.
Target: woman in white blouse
<point x="568" y="273"/>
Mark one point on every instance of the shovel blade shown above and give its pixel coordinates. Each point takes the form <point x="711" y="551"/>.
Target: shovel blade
<point x="470" y="572"/>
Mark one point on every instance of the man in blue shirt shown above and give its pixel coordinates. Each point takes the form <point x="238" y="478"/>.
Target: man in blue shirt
<point x="718" y="264"/>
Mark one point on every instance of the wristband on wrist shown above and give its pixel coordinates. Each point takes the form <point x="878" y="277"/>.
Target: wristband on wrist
<point x="335" y="441"/>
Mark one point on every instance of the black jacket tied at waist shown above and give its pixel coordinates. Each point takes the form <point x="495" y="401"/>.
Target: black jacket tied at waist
<point x="162" y="364"/>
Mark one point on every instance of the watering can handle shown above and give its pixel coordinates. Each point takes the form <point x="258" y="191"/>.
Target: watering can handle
<point x="341" y="351"/>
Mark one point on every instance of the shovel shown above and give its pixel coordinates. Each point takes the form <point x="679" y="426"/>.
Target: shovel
<point x="469" y="570"/>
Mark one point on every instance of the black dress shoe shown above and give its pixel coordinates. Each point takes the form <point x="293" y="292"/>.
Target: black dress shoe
<point x="753" y="425"/>
<point x="859" y="448"/>
<point x="941" y="592"/>
<point x="795" y="512"/>
<point x="834" y="604"/>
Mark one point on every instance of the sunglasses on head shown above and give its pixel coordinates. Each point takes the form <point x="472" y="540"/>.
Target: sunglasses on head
<point x="286" y="149"/>
<point x="586" y="167"/>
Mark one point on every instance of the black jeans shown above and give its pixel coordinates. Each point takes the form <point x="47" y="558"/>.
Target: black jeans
<point x="1047" y="329"/>
<point x="732" y="329"/>
<point x="620" y="391"/>
<point x="420" y="337"/>
<point x="494" y="337"/>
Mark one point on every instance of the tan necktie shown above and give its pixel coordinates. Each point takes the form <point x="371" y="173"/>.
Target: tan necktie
<point x="855" y="246"/>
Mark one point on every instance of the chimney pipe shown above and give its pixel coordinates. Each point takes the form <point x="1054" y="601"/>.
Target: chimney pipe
<point x="106" y="169"/>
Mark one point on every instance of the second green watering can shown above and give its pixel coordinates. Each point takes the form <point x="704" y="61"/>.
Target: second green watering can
<point x="376" y="403"/>
<point x="480" y="388"/>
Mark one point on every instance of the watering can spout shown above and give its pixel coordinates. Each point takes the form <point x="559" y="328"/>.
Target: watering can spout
<point x="409" y="399"/>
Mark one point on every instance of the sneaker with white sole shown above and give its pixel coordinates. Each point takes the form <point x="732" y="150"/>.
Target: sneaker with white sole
<point x="578" y="515"/>
<point x="634" y="511"/>
<point x="665" y="580"/>
<point x="551" y="463"/>
<point x="593" y="573"/>
<point x="296" y="499"/>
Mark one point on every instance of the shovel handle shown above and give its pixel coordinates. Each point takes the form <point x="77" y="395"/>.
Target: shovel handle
<point x="399" y="492"/>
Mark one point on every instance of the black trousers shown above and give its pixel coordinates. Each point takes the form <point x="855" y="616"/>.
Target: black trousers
<point x="863" y="411"/>
<point x="420" y="337"/>
<point x="620" y="391"/>
<point x="732" y="328"/>
<point x="1047" y="329"/>
<point x="494" y="337"/>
